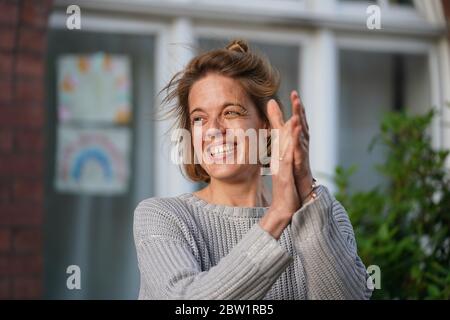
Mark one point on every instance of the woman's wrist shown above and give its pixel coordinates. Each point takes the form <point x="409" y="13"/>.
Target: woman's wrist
<point x="274" y="222"/>
<point x="305" y="186"/>
<point x="308" y="190"/>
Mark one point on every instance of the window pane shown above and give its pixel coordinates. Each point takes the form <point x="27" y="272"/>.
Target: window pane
<point x="370" y="85"/>
<point x="87" y="229"/>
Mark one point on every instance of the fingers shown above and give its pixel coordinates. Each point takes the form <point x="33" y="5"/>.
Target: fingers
<point x="295" y="103"/>
<point x="274" y="114"/>
<point x="299" y="109"/>
<point x="290" y="145"/>
<point x="294" y="130"/>
<point x="297" y="152"/>
<point x="287" y="151"/>
<point x="304" y="120"/>
<point x="284" y="137"/>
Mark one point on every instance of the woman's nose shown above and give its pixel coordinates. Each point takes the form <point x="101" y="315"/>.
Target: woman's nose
<point x="215" y="128"/>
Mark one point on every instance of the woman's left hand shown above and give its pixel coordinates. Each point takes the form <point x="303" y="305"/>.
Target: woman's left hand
<point x="302" y="169"/>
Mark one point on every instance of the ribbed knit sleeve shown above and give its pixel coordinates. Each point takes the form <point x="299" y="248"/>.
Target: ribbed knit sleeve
<point x="324" y="238"/>
<point x="170" y="265"/>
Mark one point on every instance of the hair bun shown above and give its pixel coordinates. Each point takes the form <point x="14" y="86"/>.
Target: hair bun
<point x="238" y="46"/>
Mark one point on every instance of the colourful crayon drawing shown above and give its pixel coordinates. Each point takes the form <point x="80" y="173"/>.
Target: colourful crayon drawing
<point x="94" y="87"/>
<point x="92" y="160"/>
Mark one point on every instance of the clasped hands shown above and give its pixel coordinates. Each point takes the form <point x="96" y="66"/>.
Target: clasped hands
<point x="291" y="174"/>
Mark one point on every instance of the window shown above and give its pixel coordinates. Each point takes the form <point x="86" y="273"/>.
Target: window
<point x="370" y="85"/>
<point x="90" y="230"/>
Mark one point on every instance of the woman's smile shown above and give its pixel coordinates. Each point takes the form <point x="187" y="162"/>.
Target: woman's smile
<point x="219" y="152"/>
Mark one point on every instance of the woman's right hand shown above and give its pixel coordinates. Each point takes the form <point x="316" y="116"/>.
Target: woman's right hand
<point x="285" y="198"/>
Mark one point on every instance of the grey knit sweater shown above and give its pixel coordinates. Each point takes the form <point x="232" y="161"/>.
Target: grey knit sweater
<point x="190" y="249"/>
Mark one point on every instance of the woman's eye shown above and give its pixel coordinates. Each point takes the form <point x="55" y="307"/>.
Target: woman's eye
<point x="232" y="113"/>
<point x="197" y="120"/>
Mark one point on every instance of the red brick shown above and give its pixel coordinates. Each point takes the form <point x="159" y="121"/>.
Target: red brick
<point x="16" y="265"/>
<point x="21" y="165"/>
<point x="446" y="5"/>
<point x="5" y="288"/>
<point x="5" y="191"/>
<point x="27" y="190"/>
<point x="27" y="287"/>
<point x="6" y="140"/>
<point x="29" y="90"/>
<point x="29" y="65"/>
<point x="34" y="13"/>
<point x="4" y="265"/>
<point x="21" y="116"/>
<point x="5" y="240"/>
<point x="28" y="240"/>
<point x="20" y="214"/>
<point x="6" y="65"/>
<point x="29" y="140"/>
<point x="6" y="96"/>
<point x="32" y="40"/>
<point x="7" y="38"/>
<point x="8" y="12"/>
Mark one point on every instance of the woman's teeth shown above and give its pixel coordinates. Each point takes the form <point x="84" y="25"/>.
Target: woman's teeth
<point x="221" y="150"/>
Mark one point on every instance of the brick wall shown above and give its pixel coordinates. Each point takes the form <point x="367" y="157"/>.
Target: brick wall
<point x="23" y="25"/>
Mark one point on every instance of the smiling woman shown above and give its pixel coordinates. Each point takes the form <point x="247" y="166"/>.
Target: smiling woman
<point x="226" y="108"/>
<point x="232" y="240"/>
<point x="232" y="82"/>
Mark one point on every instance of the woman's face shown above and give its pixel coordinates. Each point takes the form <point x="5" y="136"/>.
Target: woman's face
<point x="218" y="104"/>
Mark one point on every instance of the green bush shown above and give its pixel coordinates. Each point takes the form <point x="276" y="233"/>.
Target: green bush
<point x="404" y="225"/>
